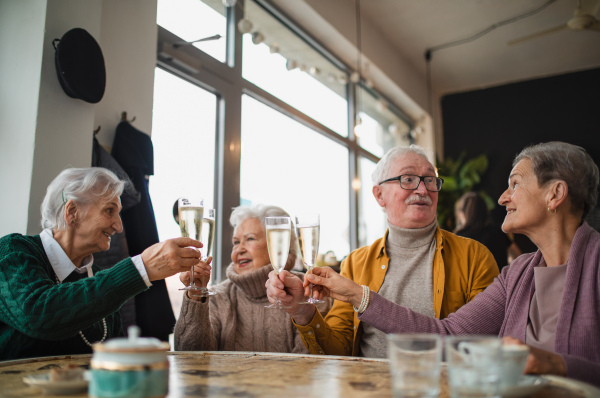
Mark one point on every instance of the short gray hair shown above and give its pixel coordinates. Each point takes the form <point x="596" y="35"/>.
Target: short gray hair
<point x="382" y="169"/>
<point x="260" y="211"/>
<point x="83" y="186"/>
<point x="570" y="163"/>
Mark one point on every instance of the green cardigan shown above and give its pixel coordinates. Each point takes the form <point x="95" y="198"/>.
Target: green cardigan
<point x="38" y="317"/>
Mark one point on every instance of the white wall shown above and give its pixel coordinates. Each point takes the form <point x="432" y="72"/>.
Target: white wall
<point x="42" y="130"/>
<point x="128" y="40"/>
<point x="20" y="66"/>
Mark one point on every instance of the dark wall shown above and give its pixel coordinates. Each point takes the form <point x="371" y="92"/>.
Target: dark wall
<point x="501" y="121"/>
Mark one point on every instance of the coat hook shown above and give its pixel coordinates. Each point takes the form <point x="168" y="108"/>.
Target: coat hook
<point x="97" y="130"/>
<point x="124" y="118"/>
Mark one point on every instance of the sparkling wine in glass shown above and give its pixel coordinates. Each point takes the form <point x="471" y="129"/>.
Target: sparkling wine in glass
<point x="279" y="231"/>
<point x="308" y="227"/>
<point x="208" y="240"/>
<point x="191" y="212"/>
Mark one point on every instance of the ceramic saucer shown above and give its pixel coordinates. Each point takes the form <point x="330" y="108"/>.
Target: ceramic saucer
<point x="527" y="386"/>
<point x="56" y="387"/>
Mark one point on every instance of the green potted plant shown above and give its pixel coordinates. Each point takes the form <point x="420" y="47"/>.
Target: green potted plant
<point x="460" y="176"/>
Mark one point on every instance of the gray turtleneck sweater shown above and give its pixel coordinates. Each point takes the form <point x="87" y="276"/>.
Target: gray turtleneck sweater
<point x="235" y="319"/>
<point x="408" y="281"/>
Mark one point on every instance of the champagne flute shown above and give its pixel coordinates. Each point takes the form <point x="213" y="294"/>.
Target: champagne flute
<point x="191" y="212"/>
<point x="279" y="230"/>
<point x="208" y="240"/>
<point x="308" y="227"/>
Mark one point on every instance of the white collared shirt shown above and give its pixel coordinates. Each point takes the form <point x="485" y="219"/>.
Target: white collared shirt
<point x="63" y="266"/>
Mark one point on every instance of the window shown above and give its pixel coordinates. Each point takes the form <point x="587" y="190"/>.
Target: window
<point x="286" y="164"/>
<point x="183" y="136"/>
<point x="289" y="140"/>
<point x="287" y="67"/>
<point x="196" y="19"/>
<point x="382" y="128"/>
<point x="371" y="218"/>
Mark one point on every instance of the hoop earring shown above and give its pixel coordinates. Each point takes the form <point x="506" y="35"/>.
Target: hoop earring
<point x="551" y="212"/>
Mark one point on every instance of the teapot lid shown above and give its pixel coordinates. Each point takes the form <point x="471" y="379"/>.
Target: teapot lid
<point x="132" y="343"/>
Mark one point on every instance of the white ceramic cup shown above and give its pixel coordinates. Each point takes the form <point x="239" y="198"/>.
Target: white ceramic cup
<point x="474" y="366"/>
<point x="514" y="359"/>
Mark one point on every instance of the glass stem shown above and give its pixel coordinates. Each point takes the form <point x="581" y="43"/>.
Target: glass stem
<point x="193" y="284"/>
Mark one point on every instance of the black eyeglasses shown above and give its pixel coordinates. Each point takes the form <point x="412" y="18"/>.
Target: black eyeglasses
<point x="411" y="182"/>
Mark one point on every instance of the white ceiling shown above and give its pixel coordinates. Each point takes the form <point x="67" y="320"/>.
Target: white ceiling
<point x="416" y="25"/>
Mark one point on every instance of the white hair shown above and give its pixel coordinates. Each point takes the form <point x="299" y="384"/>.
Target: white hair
<point x="383" y="167"/>
<point x="260" y="212"/>
<point x="83" y="186"/>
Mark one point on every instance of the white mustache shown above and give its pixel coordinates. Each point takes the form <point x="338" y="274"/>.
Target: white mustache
<point x="418" y="198"/>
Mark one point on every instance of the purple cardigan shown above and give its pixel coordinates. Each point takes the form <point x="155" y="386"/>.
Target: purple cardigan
<point x="503" y="308"/>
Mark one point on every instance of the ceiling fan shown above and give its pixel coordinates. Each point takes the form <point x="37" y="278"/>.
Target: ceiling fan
<point x="584" y="18"/>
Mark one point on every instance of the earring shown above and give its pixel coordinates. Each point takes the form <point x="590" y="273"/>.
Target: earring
<point x="553" y="212"/>
<point x="72" y="221"/>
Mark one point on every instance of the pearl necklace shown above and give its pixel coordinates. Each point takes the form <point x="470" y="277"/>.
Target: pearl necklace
<point x="81" y="334"/>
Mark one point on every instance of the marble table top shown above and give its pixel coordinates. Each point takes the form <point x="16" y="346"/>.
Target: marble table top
<point x="254" y="374"/>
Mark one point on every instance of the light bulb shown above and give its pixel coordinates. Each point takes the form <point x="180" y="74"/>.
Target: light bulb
<point x="257" y="37"/>
<point x="229" y="3"/>
<point x="314" y="71"/>
<point x="354" y="77"/>
<point x="244" y="26"/>
<point x="356" y="184"/>
<point x="358" y="127"/>
<point x="291" y="64"/>
<point x="274" y="49"/>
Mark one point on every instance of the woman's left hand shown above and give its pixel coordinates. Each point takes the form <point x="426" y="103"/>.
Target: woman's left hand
<point x="540" y="361"/>
<point x="201" y="270"/>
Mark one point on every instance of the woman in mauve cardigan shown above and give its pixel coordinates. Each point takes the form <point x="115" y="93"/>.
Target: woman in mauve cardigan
<point x="549" y="300"/>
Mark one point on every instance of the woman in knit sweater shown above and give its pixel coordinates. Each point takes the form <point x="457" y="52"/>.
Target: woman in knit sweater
<point x="53" y="299"/>
<point x="550" y="299"/>
<point x="235" y="319"/>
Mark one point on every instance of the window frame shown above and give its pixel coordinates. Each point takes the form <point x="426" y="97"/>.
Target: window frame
<point x="225" y="80"/>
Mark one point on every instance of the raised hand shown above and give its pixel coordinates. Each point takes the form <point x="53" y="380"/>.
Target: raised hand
<point x="328" y="283"/>
<point x="170" y="257"/>
<point x="288" y="288"/>
<point x="201" y="270"/>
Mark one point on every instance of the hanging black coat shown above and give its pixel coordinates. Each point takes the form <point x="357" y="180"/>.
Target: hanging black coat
<point x="134" y="152"/>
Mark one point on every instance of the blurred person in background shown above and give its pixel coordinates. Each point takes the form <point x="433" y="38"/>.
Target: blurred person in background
<point x="473" y="221"/>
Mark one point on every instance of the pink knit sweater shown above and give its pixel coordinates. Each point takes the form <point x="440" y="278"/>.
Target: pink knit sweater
<point x="503" y="308"/>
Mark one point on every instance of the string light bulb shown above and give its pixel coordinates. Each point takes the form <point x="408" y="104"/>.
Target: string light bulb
<point x="244" y="26"/>
<point x="358" y="126"/>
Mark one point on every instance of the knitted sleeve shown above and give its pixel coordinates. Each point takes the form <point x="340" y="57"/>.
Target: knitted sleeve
<point x="32" y="303"/>
<point x="483" y="315"/>
<point x="196" y="329"/>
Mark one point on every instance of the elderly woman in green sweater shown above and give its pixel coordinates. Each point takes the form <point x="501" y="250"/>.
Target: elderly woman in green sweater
<point x="53" y="299"/>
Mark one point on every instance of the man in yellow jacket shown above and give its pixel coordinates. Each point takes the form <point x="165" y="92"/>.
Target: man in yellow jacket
<point x="415" y="264"/>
